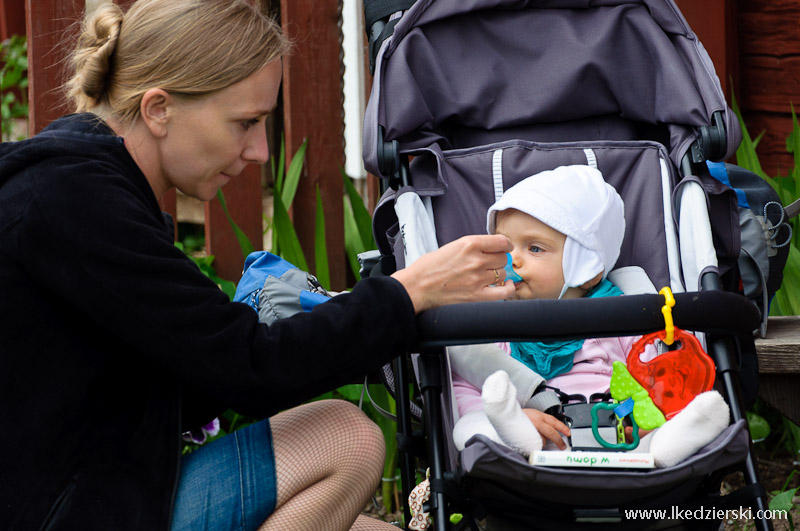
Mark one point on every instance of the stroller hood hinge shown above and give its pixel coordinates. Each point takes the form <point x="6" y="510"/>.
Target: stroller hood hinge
<point x="390" y="163"/>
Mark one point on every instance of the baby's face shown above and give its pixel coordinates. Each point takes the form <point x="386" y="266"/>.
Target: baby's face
<point x="538" y="250"/>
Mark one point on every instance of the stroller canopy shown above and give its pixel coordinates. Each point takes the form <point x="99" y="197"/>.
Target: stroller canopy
<point x="460" y="73"/>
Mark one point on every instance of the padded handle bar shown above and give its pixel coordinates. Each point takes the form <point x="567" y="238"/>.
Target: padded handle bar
<point x="543" y="320"/>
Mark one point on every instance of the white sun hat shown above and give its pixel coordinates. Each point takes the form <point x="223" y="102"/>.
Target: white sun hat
<point x="576" y="201"/>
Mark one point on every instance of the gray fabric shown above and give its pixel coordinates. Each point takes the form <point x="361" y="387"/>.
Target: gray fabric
<point x="633" y="168"/>
<point x="543" y="400"/>
<point x="475" y="363"/>
<point x="484" y="459"/>
<point x="754" y="260"/>
<point x="279" y="298"/>
<point x="460" y="73"/>
<point x="632" y="280"/>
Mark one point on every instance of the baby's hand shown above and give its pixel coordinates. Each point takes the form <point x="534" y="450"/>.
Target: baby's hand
<point x="629" y="433"/>
<point x="549" y="427"/>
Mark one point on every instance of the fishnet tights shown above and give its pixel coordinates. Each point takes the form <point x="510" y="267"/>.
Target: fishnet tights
<point x="328" y="462"/>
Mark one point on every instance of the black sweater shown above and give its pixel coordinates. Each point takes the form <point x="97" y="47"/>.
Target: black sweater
<point x="112" y="342"/>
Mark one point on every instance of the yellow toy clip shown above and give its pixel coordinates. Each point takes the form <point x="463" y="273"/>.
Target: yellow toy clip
<point x="667" y="311"/>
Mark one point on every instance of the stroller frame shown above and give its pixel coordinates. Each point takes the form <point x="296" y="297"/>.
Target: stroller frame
<point x="728" y="339"/>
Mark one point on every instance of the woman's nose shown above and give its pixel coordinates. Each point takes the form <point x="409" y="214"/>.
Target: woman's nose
<point x="257" y="149"/>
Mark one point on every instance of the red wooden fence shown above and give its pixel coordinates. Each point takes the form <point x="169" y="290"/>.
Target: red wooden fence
<point x="313" y="110"/>
<point x="753" y="44"/>
<point x="769" y="59"/>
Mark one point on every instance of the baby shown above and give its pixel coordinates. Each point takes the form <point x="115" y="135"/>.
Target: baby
<point x="567" y="227"/>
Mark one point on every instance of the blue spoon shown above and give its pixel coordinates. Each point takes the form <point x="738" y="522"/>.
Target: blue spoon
<point x="510" y="273"/>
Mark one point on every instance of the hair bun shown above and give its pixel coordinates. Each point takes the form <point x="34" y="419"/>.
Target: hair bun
<point x="92" y="57"/>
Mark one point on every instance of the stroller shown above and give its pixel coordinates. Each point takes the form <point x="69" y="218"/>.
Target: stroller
<point x="471" y="96"/>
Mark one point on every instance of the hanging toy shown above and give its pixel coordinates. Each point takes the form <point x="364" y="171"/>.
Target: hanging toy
<point x="674" y="378"/>
<point x="654" y="391"/>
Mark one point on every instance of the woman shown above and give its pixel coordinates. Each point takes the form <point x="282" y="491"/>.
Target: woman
<point x="114" y="343"/>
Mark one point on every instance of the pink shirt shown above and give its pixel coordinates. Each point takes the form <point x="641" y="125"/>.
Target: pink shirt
<point x="590" y="373"/>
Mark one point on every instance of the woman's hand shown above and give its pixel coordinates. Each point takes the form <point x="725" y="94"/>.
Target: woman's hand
<point x="469" y="269"/>
<point x="549" y="427"/>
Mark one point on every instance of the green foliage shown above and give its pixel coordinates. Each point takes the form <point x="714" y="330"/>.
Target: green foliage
<point x="357" y="225"/>
<point x="244" y="242"/>
<point x="285" y="242"/>
<point x="767" y="426"/>
<point x="759" y="427"/>
<point x="783" y="500"/>
<point x="13" y="83"/>
<point x="776" y="437"/>
<point x="786" y="300"/>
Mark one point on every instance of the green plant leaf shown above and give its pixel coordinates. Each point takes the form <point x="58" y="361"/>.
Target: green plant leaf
<point x="10" y="79"/>
<point x="352" y="239"/>
<point x="351" y="392"/>
<point x="759" y="427"/>
<point x="793" y="439"/>
<point x="245" y="244"/>
<point x="288" y="243"/>
<point x="794" y="176"/>
<point x="360" y="213"/>
<point x="321" y="270"/>
<point x="746" y="155"/>
<point x="293" y="174"/>
<point x="382" y="398"/>
<point x="786" y="297"/>
<point x="278" y="172"/>
<point x="783" y="501"/>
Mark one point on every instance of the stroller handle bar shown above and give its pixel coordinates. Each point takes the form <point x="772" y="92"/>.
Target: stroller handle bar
<point x="548" y="319"/>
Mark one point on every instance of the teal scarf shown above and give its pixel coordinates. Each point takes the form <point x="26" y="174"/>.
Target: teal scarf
<point x="551" y="358"/>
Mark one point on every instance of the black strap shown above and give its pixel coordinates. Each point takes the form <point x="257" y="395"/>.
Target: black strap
<point x="413" y="445"/>
<point x="374" y="10"/>
<point x="458" y="498"/>
<point x="742" y="497"/>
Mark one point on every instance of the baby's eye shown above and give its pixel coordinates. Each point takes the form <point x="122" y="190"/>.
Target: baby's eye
<point x="535" y="249"/>
<point x="247" y="124"/>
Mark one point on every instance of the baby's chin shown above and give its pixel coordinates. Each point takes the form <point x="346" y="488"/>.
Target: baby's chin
<point x="515" y="296"/>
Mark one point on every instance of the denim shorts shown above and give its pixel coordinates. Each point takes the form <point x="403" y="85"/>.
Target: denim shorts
<point x="228" y="483"/>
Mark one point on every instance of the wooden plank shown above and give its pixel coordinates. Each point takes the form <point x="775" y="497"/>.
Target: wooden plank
<point x="782" y="392"/>
<point x="50" y="23"/>
<point x="772" y="83"/>
<point x="12" y="18"/>
<point x="769" y="32"/>
<point x="243" y="199"/>
<point x="312" y="99"/>
<point x="779" y="352"/>
<point x="771" y="150"/>
<point x="770" y="73"/>
<point x="779" y="366"/>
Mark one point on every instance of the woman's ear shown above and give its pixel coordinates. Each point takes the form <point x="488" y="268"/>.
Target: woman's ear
<point x="154" y="111"/>
<point x="592" y="283"/>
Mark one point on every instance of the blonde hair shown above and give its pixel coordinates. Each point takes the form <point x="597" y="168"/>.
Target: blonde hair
<point x="189" y="48"/>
